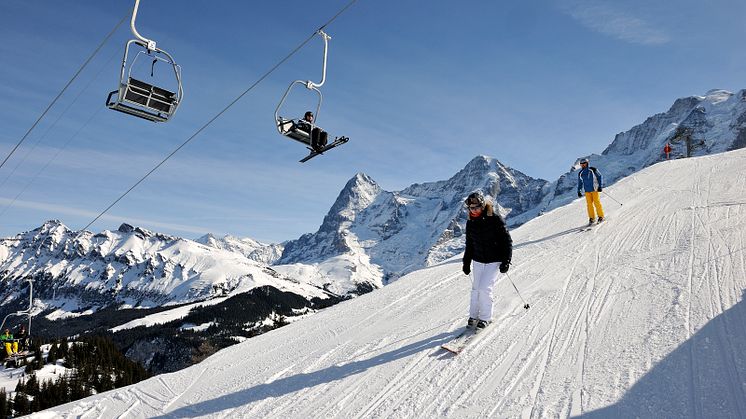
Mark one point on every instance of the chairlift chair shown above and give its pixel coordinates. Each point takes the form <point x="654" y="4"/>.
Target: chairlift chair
<point x="137" y="97"/>
<point x="290" y="128"/>
<point x="12" y="360"/>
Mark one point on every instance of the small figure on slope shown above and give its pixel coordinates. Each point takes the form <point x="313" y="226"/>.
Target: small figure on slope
<point x="490" y="248"/>
<point x="591" y="181"/>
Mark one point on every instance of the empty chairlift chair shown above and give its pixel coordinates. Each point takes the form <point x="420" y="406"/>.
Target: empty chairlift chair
<point x="140" y="98"/>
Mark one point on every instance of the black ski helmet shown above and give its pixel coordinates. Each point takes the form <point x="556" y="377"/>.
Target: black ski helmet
<point x="475" y="198"/>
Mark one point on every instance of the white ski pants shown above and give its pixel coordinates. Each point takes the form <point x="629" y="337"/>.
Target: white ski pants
<point x="484" y="277"/>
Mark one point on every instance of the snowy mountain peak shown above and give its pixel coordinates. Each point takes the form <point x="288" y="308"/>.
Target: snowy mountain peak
<point x="715" y="96"/>
<point x="358" y="193"/>
<point x="126" y="228"/>
<point x="481" y="164"/>
<point x="51" y="228"/>
<point x="207" y="238"/>
<point x="259" y="252"/>
<point x="419" y="225"/>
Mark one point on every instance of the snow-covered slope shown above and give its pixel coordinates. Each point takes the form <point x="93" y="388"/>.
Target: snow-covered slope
<point x="641" y="316"/>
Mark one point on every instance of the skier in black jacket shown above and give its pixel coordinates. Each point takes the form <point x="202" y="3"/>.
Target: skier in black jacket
<point x="490" y="248"/>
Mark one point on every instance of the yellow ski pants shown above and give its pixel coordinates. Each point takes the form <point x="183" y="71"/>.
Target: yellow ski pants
<point x="11" y="347"/>
<point x="593" y="200"/>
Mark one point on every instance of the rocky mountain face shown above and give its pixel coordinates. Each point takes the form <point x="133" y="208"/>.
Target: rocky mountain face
<point x="406" y="230"/>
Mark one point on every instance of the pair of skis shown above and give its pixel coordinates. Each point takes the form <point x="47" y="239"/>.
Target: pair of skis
<point x="589" y="226"/>
<point x="464" y="339"/>
<point x="337" y="142"/>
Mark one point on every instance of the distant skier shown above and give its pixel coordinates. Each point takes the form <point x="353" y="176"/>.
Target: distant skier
<point x="667" y="150"/>
<point x="489" y="246"/>
<point x="591" y="181"/>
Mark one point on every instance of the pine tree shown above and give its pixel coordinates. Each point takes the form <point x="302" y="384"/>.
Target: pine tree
<point x="32" y="386"/>
<point x="52" y="355"/>
<point x="64" y="348"/>
<point x="21" y="404"/>
<point x="4" y="407"/>
<point x="21" y="386"/>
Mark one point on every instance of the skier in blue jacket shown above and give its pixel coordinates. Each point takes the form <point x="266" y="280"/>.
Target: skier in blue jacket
<point x="590" y="181"/>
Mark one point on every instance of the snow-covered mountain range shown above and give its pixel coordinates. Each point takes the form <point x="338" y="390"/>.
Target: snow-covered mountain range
<point x="368" y="238"/>
<point x="641" y="316"/>
<point x="129" y="267"/>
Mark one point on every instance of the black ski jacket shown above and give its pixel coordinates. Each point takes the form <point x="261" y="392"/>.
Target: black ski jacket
<point x="487" y="240"/>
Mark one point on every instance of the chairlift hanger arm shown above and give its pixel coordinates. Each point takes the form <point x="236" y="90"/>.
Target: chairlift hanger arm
<point x="149" y="43"/>
<point x="309" y="83"/>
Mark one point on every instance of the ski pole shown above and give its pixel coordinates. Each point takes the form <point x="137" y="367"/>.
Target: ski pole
<point x="612" y="198"/>
<point x="525" y="304"/>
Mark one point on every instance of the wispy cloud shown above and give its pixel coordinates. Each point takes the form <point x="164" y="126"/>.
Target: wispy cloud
<point x="60" y="209"/>
<point x="609" y="20"/>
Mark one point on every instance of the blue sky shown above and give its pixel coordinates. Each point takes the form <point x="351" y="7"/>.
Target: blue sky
<point x="421" y="88"/>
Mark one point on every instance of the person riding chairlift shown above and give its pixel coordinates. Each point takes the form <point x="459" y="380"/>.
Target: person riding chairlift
<point x="11" y="345"/>
<point x="319" y="137"/>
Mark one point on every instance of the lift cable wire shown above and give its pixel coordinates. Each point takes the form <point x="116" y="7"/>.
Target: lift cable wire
<point x="64" y="89"/>
<point x="49" y="162"/>
<point x="46" y="133"/>
<point x="264" y="76"/>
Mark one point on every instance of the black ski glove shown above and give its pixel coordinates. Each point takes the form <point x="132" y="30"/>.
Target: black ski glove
<point x="580" y="195"/>
<point x="600" y="189"/>
<point x="466" y="268"/>
<point x="504" y="267"/>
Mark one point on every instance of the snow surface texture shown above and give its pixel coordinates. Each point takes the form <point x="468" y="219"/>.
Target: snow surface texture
<point x="640" y="316"/>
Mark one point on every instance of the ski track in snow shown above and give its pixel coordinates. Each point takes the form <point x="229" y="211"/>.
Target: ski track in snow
<point x="638" y="317"/>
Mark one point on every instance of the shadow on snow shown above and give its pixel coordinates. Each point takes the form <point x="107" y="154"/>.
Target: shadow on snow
<point x="298" y="382"/>
<point x="704" y="377"/>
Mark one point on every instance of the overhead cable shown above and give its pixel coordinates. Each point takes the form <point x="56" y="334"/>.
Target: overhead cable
<point x="233" y="102"/>
<point x="63" y="90"/>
